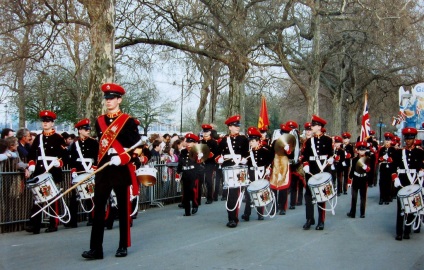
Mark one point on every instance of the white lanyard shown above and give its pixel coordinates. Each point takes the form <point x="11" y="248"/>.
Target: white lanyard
<point x="86" y="166"/>
<point x="411" y="176"/>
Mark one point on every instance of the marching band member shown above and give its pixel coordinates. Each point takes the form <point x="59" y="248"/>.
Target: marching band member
<point x="259" y="161"/>
<point x="232" y="149"/>
<point x="307" y="134"/>
<point x="339" y="161"/>
<point x="265" y="141"/>
<point x="347" y="165"/>
<point x="83" y="160"/>
<point x="297" y="177"/>
<point x="281" y="192"/>
<point x="116" y="132"/>
<point x="386" y="169"/>
<point x="409" y="164"/>
<point x="359" y="179"/>
<point x="190" y="170"/>
<point x="372" y="151"/>
<point x="317" y="155"/>
<point x="209" y="163"/>
<point x="45" y="155"/>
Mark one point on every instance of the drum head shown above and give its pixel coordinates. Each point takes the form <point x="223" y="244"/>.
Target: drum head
<point x="319" y="178"/>
<point x="258" y="185"/>
<point x="408" y="190"/>
<point x="80" y="177"/>
<point x="238" y="167"/>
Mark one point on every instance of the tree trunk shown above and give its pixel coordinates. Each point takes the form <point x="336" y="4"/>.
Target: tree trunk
<point x="102" y="53"/>
<point x="236" y="91"/>
<point x="201" y="110"/>
<point x="317" y="62"/>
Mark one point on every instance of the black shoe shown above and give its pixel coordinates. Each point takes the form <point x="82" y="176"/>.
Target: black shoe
<point x="180" y="205"/>
<point x="109" y="227"/>
<point x="245" y="217"/>
<point x="49" y="230"/>
<point x="338" y="194"/>
<point x="380" y="202"/>
<point x="399" y="237"/>
<point x="417" y="230"/>
<point x="406" y="236"/>
<point x="29" y="229"/>
<point x="231" y="224"/>
<point x="121" y="252"/>
<point x="345" y="193"/>
<point x="282" y="212"/>
<point x="349" y="214"/>
<point x="386" y="203"/>
<point x="223" y="199"/>
<point x="292" y="207"/>
<point x="92" y="254"/>
<point x="194" y="210"/>
<point x="299" y="204"/>
<point x="89" y="223"/>
<point x="320" y="226"/>
<point x="308" y="224"/>
<point x="215" y="199"/>
<point x="260" y="218"/>
<point x="362" y="216"/>
<point x="208" y="202"/>
<point x="187" y="215"/>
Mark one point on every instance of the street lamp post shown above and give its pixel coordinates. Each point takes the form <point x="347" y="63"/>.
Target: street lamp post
<point x="182" y="99"/>
<point x="380" y="125"/>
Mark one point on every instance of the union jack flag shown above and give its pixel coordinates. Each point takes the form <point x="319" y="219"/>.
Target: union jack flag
<point x="365" y="124"/>
<point x="399" y="118"/>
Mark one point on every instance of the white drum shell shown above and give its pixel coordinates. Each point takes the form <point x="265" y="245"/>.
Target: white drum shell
<point x="321" y="187"/>
<point x="411" y="199"/>
<point x="44" y="189"/>
<point x="146" y="176"/>
<point x="235" y="176"/>
<point x="260" y="193"/>
<point x="86" y="189"/>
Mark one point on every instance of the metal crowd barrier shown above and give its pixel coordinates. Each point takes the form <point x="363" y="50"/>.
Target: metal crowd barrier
<point x="16" y="200"/>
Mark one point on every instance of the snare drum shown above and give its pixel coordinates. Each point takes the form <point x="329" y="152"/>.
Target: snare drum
<point x="410" y="198"/>
<point x="260" y="193"/>
<point x="235" y="176"/>
<point x="86" y="189"/>
<point x="321" y="187"/>
<point x="44" y="188"/>
<point x="146" y="176"/>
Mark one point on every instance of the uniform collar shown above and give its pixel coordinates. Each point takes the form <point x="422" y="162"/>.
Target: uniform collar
<point x="114" y="115"/>
<point x="49" y="133"/>
<point x="234" y="135"/>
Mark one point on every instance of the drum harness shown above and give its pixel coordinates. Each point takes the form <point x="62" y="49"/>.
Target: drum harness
<point x="236" y="159"/>
<point x="322" y="166"/>
<point x="47" y="166"/>
<point x="412" y="177"/>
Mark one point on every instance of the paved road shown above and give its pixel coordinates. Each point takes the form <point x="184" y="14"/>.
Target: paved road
<point x="164" y="239"/>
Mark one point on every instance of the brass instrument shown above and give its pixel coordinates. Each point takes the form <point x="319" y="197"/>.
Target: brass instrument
<point x="196" y="150"/>
<point x="361" y="162"/>
<point x="280" y="177"/>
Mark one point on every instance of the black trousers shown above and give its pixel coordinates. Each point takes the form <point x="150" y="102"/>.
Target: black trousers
<point x="208" y="180"/>
<point x="385" y="183"/>
<point x="190" y="190"/>
<point x="359" y="184"/>
<point x="105" y="181"/>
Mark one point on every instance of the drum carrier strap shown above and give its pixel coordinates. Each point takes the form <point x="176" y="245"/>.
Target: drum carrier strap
<point x="318" y="161"/>
<point x="411" y="176"/>
<point x="85" y="165"/>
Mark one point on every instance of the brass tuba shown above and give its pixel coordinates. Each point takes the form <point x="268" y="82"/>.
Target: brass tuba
<point x="280" y="177"/>
<point x="197" y="149"/>
<point x="361" y="162"/>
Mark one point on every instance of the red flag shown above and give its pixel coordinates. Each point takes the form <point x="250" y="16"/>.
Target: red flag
<point x="365" y="124"/>
<point x="263" y="115"/>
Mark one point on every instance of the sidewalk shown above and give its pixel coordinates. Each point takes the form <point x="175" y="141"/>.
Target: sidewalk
<point x="163" y="239"/>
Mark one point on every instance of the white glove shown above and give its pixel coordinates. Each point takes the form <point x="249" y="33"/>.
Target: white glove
<point x="364" y="167"/>
<point x="268" y="171"/>
<point x="287" y="148"/>
<point x="74" y="175"/>
<point x="330" y="160"/>
<point x="385" y="157"/>
<point x="199" y="156"/>
<point x="115" y="160"/>
<point x="397" y="182"/>
<point x="221" y="160"/>
<point x="344" y="164"/>
<point x="31" y="168"/>
<point x="420" y="173"/>
<point x="332" y="167"/>
<point x="306" y="169"/>
<point x="243" y="161"/>
<point x="56" y="163"/>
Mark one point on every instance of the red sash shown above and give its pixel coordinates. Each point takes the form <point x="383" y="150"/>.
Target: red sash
<point x="108" y="140"/>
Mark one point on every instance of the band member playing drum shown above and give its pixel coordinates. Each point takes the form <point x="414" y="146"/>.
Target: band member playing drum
<point x="209" y="163"/>
<point x="46" y="155"/>
<point x="358" y="174"/>
<point x="409" y="164"/>
<point x="348" y="148"/>
<point x="191" y="171"/>
<point x="233" y="150"/>
<point x="317" y="157"/>
<point x="386" y="169"/>
<point x="259" y="162"/>
<point x="116" y="132"/>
